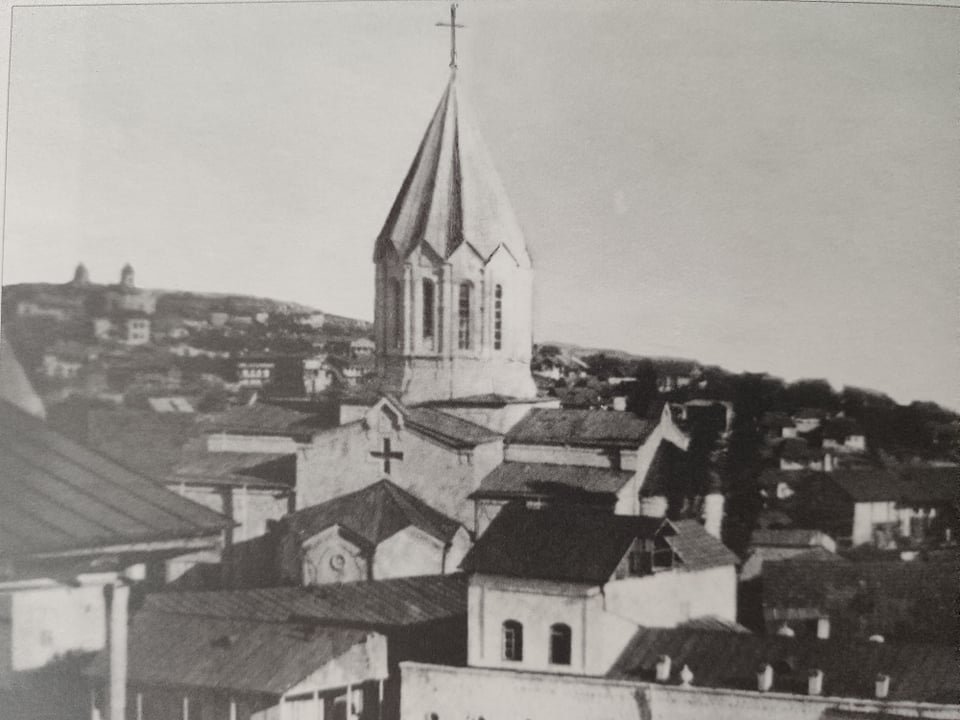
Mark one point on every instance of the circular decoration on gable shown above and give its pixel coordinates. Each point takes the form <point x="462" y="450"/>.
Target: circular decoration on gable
<point x="337" y="562"/>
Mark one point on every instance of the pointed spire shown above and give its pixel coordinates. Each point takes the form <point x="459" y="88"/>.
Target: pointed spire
<point x="452" y="195"/>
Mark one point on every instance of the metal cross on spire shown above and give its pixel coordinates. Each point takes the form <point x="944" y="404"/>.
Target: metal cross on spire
<point x="453" y="34"/>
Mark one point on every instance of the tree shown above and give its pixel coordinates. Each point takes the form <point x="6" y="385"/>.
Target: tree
<point x="642" y="395"/>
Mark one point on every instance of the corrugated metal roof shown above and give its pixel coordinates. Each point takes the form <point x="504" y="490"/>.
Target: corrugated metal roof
<point x="372" y="603"/>
<point x="58" y="495"/>
<point x="536" y="480"/>
<point x="374" y="514"/>
<point x="452" y="194"/>
<point x="920" y="673"/>
<point x="592" y="428"/>
<point x="227" y="654"/>
<point x="447" y="428"/>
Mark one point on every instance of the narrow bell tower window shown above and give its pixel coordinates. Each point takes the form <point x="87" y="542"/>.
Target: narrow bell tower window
<point x="396" y="313"/>
<point x="463" y="334"/>
<point x="498" y="317"/>
<point x="428" y="309"/>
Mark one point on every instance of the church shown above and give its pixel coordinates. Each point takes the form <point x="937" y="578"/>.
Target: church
<point x="454" y="403"/>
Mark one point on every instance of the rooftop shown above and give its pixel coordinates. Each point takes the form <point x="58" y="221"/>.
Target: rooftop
<point x="787" y="537"/>
<point x="574" y="544"/>
<point x="447" y="428"/>
<point x="372" y="604"/>
<point x="58" y="495"/>
<point x="912" y="485"/>
<point x="263" y="419"/>
<point x="591" y="428"/>
<point x="919" y="673"/>
<point x="373" y="514"/>
<point x="511" y="480"/>
<point x="260" y="470"/>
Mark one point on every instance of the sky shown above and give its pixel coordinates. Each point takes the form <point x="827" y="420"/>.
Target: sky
<point x="767" y="186"/>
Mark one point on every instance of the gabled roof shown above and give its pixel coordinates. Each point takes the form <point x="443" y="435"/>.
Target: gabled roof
<point x="590" y="428"/>
<point x="511" y="480"/>
<point x="446" y="428"/>
<point x="919" y="673"/>
<point x="913" y="485"/>
<point x="373" y="514"/>
<point x="277" y="471"/>
<point x="57" y="495"/>
<point x="582" y="545"/>
<point x="451" y="194"/>
<point x="247" y="656"/>
<point x="373" y="604"/>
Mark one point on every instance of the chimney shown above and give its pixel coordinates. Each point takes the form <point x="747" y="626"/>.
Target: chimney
<point x="663" y="668"/>
<point x="815" y="682"/>
<point x="686" y="676"/>
<point x="713" y="513"/>
<point x="765" y="678"/>
<point x="882" y="686"/>
<point x="786" y="631"/>
<point x="620" y="403"/>
<point x="828" y="462"/>
<point x="823" y="628"/>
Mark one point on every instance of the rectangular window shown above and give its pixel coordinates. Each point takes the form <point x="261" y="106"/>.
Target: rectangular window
<point x="498" y="317"/>
<point x="428" y="310"/>
<point x="463" y="335"/>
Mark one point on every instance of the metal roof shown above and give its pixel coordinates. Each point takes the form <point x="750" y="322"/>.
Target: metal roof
<point x="536" y="480"/>
<point x="374" y="514"/>
<point x="582" y="545"/>
<point x="919" y="673"/>
<point x="249" y="656"/>
<point x="591" y="428"/>
<point x="452" y="194"/>
<point x="377" y="604"/>
<point x="57" y="495"/>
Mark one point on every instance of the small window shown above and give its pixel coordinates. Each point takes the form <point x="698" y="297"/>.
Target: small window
<point x="463" y="334"/>
<point x="560" y="644"/>
<point x="396" y="312"/>
<point x="512" y="641"/>
<point x="498" y="317"/>
<point x="428" y="309"/>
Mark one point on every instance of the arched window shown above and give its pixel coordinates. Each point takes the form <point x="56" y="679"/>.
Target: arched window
<point x="560" y="644"/>
<point x="396" y="313"/>
<point x="498" y="317"/>
<point x="463" y="328"/>
<point x="428" y="309"/>
<point x="512" y="640"/>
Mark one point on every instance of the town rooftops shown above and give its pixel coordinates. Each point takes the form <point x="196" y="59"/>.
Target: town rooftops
<point x="371" y="604"/>
<point x="511" y="480"/>
<point x="918" y="673"/>
<point x="59" y="496"/>
<point x="373" y="514"/>
<point x="576" y="427"/>
<point x="575" y="544"/>
<point x="906" y="599"/>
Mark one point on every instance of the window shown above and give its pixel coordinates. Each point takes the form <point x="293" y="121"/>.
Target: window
<point x="463" y="335"/>
<point x="396" y="312"/>
<point x="498" y="317"/>
<point x="560" y="644"/>
<point x="428" y="312"/>
<point x="512" y="640"/>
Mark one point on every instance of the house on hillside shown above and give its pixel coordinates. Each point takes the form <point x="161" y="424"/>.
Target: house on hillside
<point x="376" y="533"/>
<point x="298" y="653"/>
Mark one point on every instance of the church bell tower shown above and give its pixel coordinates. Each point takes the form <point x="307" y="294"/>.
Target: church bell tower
<point x="454" y="279"/>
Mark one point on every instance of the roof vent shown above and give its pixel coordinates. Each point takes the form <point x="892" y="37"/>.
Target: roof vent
<point x="785" y="631"/>
<point x="815" y="682"/>
<point x="881" y="687"/>
<point x="686" y="676"/>
<point x="765" y="677"/>
<point x="663" y="668"/>
<point x="876" y="638"/>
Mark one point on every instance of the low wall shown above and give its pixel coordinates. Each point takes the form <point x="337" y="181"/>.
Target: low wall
<point x="435" y="692"/>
